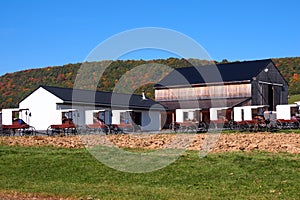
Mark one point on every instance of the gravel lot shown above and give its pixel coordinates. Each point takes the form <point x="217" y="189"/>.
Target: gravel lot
<point x="269" y="142"/>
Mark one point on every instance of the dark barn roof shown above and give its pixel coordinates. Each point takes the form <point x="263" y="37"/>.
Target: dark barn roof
<point x="100" y="98"/>
<point x="230" y="72"/>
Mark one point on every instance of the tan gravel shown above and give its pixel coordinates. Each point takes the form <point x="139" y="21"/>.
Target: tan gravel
<point x="269" y="142"/>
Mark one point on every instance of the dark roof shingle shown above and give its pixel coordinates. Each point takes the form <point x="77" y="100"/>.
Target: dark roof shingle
<point x="230" y="72"/>
<point x="100" y="98"/>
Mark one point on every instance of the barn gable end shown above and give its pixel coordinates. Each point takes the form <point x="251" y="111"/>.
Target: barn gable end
<point x="257" y="81"/>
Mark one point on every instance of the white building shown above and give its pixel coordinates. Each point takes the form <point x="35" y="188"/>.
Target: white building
<point x="47" y="105"/>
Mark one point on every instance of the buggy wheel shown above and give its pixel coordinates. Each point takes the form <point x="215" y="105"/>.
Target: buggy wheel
<point x="295" y="125"/>
<point x="116" y="130"/>
<point x="231" y="125"/>
<point x="262" y="126"/>
<point x="6" y="132"/>
<point x="50" y="131"/>
<point x="54" y="131"/>
<point x="106" y="130"/>
<point x="29" y="131"/>
<point x="74" y="131"/>
<point x="242" y="127"/>
<point x="202" y="127"/>
<point x="173" y="127"/>
<point x="279" y="125"/>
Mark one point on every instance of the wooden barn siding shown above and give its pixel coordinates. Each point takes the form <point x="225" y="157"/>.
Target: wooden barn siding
<point x="204" y="92"/>
<point x="272" y="76"/>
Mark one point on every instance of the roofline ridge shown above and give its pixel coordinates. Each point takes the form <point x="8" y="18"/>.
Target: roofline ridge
<point x="233" y="62"/>
<point x="107" y="92"/>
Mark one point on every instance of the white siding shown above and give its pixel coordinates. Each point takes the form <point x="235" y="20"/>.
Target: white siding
<point x="151" y="121"/>
<point x="42" y="105"/>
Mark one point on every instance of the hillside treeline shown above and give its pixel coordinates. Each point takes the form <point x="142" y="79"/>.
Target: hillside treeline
<point x="113" y="75"/>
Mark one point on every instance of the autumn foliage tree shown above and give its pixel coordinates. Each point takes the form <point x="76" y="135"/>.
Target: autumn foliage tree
<point x="106" y="75"/>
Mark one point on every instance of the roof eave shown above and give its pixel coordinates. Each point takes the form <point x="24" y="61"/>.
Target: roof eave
<point x="203" y="84"/>
<point x="110" y="106"/>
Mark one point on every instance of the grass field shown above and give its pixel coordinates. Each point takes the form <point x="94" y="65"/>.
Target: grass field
<point x="75" y="173"/>
<point x="294" y="98"/>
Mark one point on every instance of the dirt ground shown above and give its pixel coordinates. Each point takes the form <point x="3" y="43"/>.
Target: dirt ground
<point x="269" y="142"/>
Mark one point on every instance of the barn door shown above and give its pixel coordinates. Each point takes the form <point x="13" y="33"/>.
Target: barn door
<point x="271" y="97"/>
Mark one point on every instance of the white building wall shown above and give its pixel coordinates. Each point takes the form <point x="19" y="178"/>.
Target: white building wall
<point x="42" y="105"/>
<point x="151" y="121"/>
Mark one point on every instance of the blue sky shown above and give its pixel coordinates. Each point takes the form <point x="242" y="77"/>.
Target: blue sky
<point x="41" y="33"/>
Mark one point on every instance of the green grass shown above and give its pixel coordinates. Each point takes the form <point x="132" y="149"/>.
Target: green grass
<point x="294" y="98"/>
<point x="75" y="173"/>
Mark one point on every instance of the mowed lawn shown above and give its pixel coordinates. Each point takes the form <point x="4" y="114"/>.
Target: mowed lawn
<point x="294" y="98"/>
<point x="75" y="173"/>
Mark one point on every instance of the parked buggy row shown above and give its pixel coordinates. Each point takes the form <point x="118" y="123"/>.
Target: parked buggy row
<point x="255" y="125"/>
<point x="102" y="128"/>
<point x="243" y="119"/>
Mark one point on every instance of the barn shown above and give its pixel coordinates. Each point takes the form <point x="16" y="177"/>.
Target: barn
<point x="47" y="105"/>
<point x="191" y="96"/>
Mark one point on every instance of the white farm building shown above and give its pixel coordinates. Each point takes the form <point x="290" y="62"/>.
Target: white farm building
<point x="47" y="105"/>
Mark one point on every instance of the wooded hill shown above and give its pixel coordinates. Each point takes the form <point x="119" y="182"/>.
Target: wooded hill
<point x="15" y="86"/>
